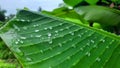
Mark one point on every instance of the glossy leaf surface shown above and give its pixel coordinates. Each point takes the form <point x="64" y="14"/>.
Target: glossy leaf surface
<point x="38" y="40"/>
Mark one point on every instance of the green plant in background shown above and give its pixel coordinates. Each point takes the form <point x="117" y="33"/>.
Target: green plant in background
<point x="2" y="15"/>
<point x="60" y="39"/>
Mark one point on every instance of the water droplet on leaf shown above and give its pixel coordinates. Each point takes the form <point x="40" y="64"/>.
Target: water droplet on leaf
<point x="16" y="42"/>
<point x="21" y="41"/>
<point x="88" y="53"/>
<point x="16" y="27"/>
<point x="61" y="29"/>
<point x="28" y="59"/>
<point x="19" y="51"/>
<point x="50" y="28"/>
<point x="72" y="33"/>
<point x="73" y="46"/>
<point x="68" y="57"/>
<point x="23" y="37"/>
<point x="36" y="30"/>
<point x="50" y="42"/>
<point x="41" y="51"/>
<point x="92" y="41"/>
<point x="67" y="27"/>
<point x="38" y="36"/>
<point x="81" y="49"/>
<point x="25" y="28"/>
<point x="79" y="35"/>
<point x="102" y="40"/>
<point x="45" y="28"/>
<point x="56" y="31"/>
<point x="22" y="20"/>
<point x="49" y="34"/>
<point x="98" y="59"/>
<point x="50" y="48"/>
<point x="88" y="44"/>
<point x="60" y="44"/>
<point x="61" y="24"/>
<point x="107" y="46"/>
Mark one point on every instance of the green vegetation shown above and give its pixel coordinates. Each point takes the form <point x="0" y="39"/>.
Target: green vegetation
<point x="63" y="38"/>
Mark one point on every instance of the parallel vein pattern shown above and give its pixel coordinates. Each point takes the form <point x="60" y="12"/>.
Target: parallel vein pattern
<point x="47" y="42"/>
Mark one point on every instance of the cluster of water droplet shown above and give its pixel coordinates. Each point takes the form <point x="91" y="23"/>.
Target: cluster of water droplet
<point x="98" y="59"/>
<point x="22" y="20"/>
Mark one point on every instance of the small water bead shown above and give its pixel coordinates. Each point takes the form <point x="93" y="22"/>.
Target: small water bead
<point x="25" y="28"/>
<point x="92" y="41"/>
<point x="61" y="24"/>
<point x="81" y="49"/>
<point x="65" y="42"/>
<point x="68" y="57"/>
<point x="72" y="33"/>
<point x="42" y="38"/>
<point x="82" y="33"/>
<point x="28" y="20"/>
<point x="61" y="29"/>
<point x="70" y="39"/>
<point x="107" y="46"/>
<point x="21" y="41"/>
<point x="95" y="46"/>
<point x="86" y="31"/>
<point x="35" y="25"/>
<point x="41" y="51"/>
<point x="74" y="46"/>
<point x="88" y="44"/>
<point x="84" y="46"/>
<point x="50" y="28"/>
<point x="38" y="36"/>
<point x="60" y="44"/>
<point x="16" y="42"/>
<point x="31" y="35"/>
<point x="28" y="59"/>
<point x="56" y="31"/>
<point x="36" y="30"/>
<point x="102" y="40"/>
<point x="54" y="37"/>
<point x="49" y="34"/>
<point x="19" y="51"/>
<point x="17" y="19"/>
<point x="89" y="34"/>
<point x="58" y="53"/>
<point x="88" y="53"/>
<point x="67" y="27"/>
<point x="50" y="48"/>
<point x="79" y="35"/>
<point x="22" y="37"/>
<point x="45" y="28"/>
<point x="98" y="59"/>
<point x="50" y="42"/>
<point x="22" y="20"/>
<point x="16" y="27"/>
<point x="112" y="41"/>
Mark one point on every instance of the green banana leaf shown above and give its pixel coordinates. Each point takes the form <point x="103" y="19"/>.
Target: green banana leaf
<point x="72" y="2"/>
<point x="42" y="41"/>
<point x="77" y="2"/>
<point x="92" y="2"/>
<point x="103" y="15"/>
<point x="66" y="14"/>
